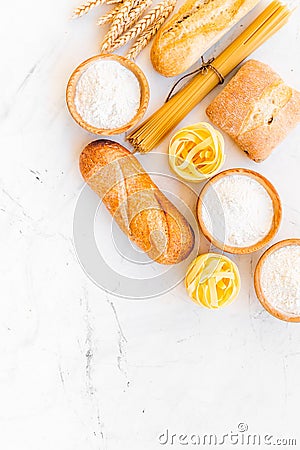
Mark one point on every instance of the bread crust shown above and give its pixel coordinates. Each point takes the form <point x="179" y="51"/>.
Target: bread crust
<point x="141" y="210"/>
<point x="235" y="107"/>
<point x="196" y="27"/>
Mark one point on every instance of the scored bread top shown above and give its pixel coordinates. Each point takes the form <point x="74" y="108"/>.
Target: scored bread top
<point x="199" y="16"/>
<point x="197" y="26"/>
<point x="141" y="210"/>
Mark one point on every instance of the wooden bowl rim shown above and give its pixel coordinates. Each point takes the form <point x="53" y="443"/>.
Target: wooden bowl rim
<point x="277" y="208"/>
<point x="130" y="65"/>
<point x="287" y="317"/>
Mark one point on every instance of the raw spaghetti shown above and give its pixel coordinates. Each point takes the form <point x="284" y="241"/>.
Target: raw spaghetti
<point x="149" y="134"/>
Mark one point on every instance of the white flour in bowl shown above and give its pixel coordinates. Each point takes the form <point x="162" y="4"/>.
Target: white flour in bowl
<point x="280" y="279"/>
<point x="108" y="95"/>
<point x="237" y="211"/>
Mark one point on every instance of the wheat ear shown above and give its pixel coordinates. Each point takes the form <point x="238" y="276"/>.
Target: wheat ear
<point x="109" y="16"/>
<point x="148" y="34"/>
<point x="123" y="20"/>
<point x="117" y="25"/>
<point x="86" y="7"/>
<point x="134" y="14"/>
<point x="143" y="23"/>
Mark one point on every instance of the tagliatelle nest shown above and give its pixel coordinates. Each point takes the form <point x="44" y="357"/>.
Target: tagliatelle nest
<point x="212" y="280"/>
<point x="196" y="152"/>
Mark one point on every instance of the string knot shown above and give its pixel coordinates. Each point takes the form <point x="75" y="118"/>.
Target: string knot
<point x="205" y="66"/>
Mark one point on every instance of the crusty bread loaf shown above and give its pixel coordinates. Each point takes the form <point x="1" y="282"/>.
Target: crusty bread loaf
<point x="197" y="26"/>
<point x="257" y="109"/>
<point x="141" y="210"/>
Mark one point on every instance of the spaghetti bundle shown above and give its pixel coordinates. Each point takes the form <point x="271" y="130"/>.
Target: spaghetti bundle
<point x="149" y="134"/>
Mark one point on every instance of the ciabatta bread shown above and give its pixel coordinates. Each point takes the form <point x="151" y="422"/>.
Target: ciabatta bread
<point x="257" y="109"/>
<point x="140" y="209"/>
<point x="197" y="26"/>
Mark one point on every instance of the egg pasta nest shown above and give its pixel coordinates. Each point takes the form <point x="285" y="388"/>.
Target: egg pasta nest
<point x="196" y="152"/>
<point x="212" y="280"/>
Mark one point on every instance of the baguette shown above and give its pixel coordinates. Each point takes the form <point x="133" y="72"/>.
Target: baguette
<point x="257" y="109"/>
<point x="140" y="209"/>
<point x="197" y="26"/>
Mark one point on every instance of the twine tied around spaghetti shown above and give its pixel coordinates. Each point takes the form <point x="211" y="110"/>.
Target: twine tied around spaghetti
<point x="203" y="69"/>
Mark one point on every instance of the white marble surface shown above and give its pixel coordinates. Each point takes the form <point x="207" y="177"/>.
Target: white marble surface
<point x="84" y="370"/>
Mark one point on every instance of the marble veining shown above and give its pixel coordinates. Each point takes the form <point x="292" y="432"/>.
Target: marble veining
<point x="80" y="368"/>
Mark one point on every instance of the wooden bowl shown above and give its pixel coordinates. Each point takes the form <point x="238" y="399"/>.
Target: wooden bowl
<point x="71" y="91"/>
<point x="287" y="317"/>
<point x="276" y="207"/>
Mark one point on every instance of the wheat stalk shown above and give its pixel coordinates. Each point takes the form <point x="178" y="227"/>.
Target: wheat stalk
<point x="123" y="20"/>
<point x="109" y="16"/>
<point x="144" y="23"/>
<point x="148" y="34"/>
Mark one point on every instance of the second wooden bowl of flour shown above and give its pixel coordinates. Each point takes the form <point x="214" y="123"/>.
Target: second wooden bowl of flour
<point x="107" y="94"/>
<point x="277" y="280"/>
<point x="239" y="211"/>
